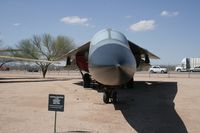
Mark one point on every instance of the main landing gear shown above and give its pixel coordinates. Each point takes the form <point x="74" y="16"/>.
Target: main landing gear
<point x="130" y="83"/>
<point x="109" y="95"/>
<point x="86" y="80"/>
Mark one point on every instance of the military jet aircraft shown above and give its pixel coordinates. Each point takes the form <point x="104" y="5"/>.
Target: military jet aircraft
<point x="111" y="60"/>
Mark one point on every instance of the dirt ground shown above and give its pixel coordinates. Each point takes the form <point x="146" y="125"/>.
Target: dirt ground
<point x="155" y="104"/>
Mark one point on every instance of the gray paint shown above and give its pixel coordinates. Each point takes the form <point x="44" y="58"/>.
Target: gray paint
<point x="111" y="61"/>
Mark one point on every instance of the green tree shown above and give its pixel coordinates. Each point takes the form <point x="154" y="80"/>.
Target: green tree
<point x="44" y="47"/>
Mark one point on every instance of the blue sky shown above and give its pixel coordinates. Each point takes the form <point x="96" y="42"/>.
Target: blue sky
<point x="170" y="29"/>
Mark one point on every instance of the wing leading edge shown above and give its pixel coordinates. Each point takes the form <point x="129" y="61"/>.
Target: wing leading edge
<point x="82" y="49"/>
<point x="80" y="54"/>
<point x="141" y="51"/>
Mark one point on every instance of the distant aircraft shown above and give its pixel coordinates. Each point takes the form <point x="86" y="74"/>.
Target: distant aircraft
<point x="26" y="59"/>
<point x="21" y="58"/>
<point x="111" y="60"/>
<point x="9" y="50"/>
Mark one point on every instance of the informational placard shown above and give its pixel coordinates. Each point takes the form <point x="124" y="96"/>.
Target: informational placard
<point x="56" y="102"/>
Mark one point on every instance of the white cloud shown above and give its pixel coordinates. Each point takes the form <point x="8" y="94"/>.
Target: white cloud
<point x="16" y="24"/>
<point x="143" y="25"/>
<point x="75" y="20"/>
<point x="169" y="14"/>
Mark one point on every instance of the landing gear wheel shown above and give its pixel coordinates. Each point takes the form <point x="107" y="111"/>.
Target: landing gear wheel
<point x="130" y="83"/>
<point x="110" y="95"/>
<point x="106" y="97"/>
<point x="114" y="97"/>
<point x="86" y="80"/>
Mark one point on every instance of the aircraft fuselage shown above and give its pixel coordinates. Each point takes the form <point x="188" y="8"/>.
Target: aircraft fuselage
<point x="110" y="60"/>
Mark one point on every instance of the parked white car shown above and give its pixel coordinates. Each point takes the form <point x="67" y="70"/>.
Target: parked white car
<point x="157" y="69"/>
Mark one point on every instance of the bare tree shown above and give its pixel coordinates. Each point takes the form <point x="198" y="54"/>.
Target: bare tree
<point x="44" y="47"/>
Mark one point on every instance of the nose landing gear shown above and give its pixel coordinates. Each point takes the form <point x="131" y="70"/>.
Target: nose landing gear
<point x="110" y="96"/>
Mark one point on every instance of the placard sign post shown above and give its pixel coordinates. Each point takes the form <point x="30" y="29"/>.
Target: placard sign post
<point x="56" y="103"/>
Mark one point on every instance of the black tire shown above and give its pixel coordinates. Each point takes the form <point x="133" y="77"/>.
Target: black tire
<point x="114" y="97"/>
<point x="130" y="83"/>
<point x="179" y="70"/>
<point x="105" y="97"/>
<point x="151" y="71"/>
<point x="162" y="71"/>
<point x="86" y="80"/>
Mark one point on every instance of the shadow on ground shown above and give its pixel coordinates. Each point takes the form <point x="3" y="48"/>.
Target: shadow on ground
<point x="75" y="132"/>
<point x="149" y="107"/>
<point x="94" y="86"/>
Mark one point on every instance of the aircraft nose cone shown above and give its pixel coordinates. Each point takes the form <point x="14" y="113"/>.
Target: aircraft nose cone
<point x="112" y="64"/>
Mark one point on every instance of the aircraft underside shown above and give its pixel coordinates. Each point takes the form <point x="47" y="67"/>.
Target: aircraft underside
<point x="110" y="94"/>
